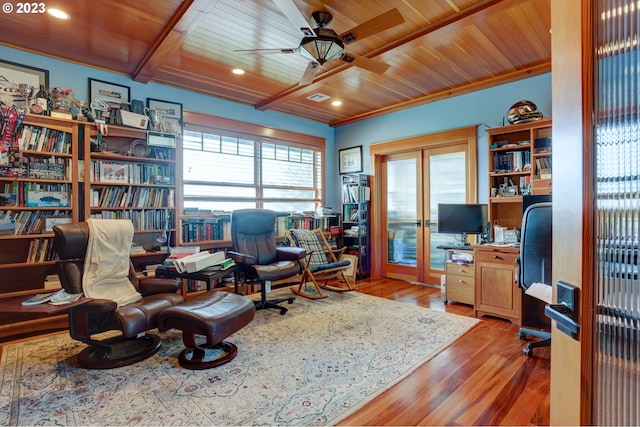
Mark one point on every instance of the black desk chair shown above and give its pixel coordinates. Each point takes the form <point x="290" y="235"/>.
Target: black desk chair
<point x="258" y="258"/>
<point x="535" y="261"/>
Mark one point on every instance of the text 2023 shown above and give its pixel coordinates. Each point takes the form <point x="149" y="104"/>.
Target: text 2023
<point x="31" y="8"/>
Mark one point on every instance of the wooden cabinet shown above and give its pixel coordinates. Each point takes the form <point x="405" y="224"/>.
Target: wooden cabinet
<point x="496" y="291"/>
<point x="460" y="282"/>
<point x="519" y="163"/>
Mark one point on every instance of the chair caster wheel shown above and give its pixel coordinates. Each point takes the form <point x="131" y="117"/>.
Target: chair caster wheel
<point x="522" y="335"/>
<point x="446" y="301"/>
<point x="527" y="351"/>
<point x="283" y="312"/>
<point x="290" y="301"/>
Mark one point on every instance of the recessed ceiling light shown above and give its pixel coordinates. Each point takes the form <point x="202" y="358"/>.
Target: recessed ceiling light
<point x="238" y="71"/>
<point x="336" y="103"/>
<point x="57" y="13"/>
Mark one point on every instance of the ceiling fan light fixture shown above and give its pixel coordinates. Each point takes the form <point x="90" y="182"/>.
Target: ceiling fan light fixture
<point x="321" y="49"/>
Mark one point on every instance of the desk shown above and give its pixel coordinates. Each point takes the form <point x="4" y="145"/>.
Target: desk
<point x="207" y="275"/>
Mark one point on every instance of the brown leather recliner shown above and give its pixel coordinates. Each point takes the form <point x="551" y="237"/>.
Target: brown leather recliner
<point x="258" y="258"/>
<point x="101" y="315"/>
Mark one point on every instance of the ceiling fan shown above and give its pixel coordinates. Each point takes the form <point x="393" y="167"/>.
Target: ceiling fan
<point x="322" y="44"/>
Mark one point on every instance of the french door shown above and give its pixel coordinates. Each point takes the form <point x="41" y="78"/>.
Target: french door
<point x="411" y="177"/>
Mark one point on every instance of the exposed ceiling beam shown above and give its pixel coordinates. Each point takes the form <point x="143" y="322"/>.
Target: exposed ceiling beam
<point x="296" y="91"/>
<point x="177" y="29"/>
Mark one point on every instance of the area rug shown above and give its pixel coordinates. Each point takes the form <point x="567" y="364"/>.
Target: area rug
<point x="315" y="365"/>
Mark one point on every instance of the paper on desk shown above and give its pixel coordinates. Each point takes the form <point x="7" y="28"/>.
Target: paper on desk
<point x="541" y="291"/>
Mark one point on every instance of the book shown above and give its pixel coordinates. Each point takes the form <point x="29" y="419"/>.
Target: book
<point x="40" y="298"/>
<point x="62" y="297"/>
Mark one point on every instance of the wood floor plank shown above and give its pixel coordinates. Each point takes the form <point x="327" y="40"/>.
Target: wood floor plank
<point x="481" y="379"/>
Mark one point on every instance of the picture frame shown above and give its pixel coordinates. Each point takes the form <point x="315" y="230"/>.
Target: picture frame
<point x="352" y="271"/>
<point x="12" y="72"/>
<point x="50" y="221"/>
<point x="114" y="172"/>
<point x="350" y="160"/>
<point x="170" y="122"/>
<point x="173" y="110"/>
<point x="110" y="92"/>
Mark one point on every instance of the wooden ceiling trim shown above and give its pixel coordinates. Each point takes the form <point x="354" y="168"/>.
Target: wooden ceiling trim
<point x="440" y="95"/>
<point x="293" y="91"/>
<point x="185" y="20"/>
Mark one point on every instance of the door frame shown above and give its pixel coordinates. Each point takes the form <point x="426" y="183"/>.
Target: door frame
<point x="466" y="135"/>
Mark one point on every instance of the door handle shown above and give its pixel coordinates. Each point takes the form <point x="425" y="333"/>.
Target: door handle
<point x="565" y="312"/>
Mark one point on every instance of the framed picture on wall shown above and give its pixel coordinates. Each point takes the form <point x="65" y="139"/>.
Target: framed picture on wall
<point x="350" y="160"/>
<point x="13" y="74"/>
<point x="109" y="92"/>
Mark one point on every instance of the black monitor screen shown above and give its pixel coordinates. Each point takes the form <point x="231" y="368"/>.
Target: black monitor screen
<point x="459" y="218"/>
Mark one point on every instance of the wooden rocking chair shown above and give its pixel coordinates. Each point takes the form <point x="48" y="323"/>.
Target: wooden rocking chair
<point x="320" y="265"/>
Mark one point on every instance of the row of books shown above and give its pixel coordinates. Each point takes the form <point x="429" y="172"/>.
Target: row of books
<point x="41" y="250"/>
<point x="146" y="219"/>
<point x="37" y="138"/>
<point x="355" y="193"/>
<point x="543" y="163"/>
<point x="131" y="173"/>
<point x="203" y="229"/>
<point x="511" y="161"/>
<point x="28" y="222"/>
<point x="132" y="197"/>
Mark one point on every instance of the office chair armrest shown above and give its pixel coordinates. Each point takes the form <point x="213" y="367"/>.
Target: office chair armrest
<point x="158" y="285"/>
<point x="290" y="253"/>
<point x="239" y="258"/>
<point x="96" y="306"/>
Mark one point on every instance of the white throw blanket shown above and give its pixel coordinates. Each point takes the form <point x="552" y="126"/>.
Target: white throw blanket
<point x="106" y="265"/>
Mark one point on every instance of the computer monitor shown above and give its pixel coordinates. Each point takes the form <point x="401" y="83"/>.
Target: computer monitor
<point x="462" y="219"/>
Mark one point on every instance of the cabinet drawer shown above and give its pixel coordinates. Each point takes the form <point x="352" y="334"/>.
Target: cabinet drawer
<point x="541" y="186"/>
<point x="460" y="288"/>
<point x="460" y="269"/>
<point x="495" y="257"/>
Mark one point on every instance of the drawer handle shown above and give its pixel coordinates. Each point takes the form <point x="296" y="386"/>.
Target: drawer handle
<point x="461" y="281"/>
<point x="496" y="257"/>
<point x="461" y="271"/>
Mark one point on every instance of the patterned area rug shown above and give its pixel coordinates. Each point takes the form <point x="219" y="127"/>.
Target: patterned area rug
<point x="313" y="366"/>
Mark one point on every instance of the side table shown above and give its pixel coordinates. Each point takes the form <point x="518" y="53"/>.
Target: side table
<point x="208" y="275"/>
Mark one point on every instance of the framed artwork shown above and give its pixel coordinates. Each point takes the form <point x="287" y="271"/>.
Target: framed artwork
<point x="50" y="221"/>
<point x="172" y="110"/>
<point x="352" y="271"/>
<point x="109" y="92"/>
<point x="350" y="160"/>
<point x="113" y="172"/>
<point x="12" y="74"/>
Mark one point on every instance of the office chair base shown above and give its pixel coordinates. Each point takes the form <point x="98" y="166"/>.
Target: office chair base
<point x="117" y="352"/>
<point x="196" y="358"/>
<point x="544" y="342"/>
<point x="273" y="304"/>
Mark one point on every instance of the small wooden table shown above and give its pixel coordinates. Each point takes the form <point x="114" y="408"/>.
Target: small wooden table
<point x="207" y="275"/>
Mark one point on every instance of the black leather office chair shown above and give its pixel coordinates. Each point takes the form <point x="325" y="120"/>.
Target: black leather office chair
<point x="535" y="261"/>
<point x="258" y="258"/>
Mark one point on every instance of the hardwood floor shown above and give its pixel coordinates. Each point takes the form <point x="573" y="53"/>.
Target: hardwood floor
<point x="481" y="379"/>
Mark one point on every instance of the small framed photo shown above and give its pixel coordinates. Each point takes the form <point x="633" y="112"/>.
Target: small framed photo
<point x="171" y="110"/>
<point x="110" y="93"/>
<point x="350" y="160"/>
<point x="114" y="172"/>
<point x="352" y="271"/>
<point x="31" y="77"/>
<point x="50" y="221"/>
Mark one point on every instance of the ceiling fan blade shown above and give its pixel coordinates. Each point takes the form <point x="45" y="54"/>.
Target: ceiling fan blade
<point x="372" y="65"/>
<point x="291" y="11"/>
<point x="265" y="51"/>
<point x="373" y="26"/>
<point x="309" y="74"/>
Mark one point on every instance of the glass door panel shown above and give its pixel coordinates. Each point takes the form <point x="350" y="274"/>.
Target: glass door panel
<point x="402" y="212"/>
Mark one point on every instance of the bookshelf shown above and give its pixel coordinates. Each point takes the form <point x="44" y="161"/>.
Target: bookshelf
<point x="356" y="201"/>
<point x="124" y="178"/>
<point x="519" y="163"/>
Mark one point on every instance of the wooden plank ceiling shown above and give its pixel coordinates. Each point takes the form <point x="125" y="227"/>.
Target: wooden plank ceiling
<point x="442" y="49"/>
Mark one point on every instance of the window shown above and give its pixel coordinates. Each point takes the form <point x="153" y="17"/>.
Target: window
<point x="227" y="170"/>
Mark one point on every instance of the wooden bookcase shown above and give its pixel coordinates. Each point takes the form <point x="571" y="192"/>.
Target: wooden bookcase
<point x="356" y="202"/>
<point x="519" y="163"/>
<point x="39" y="188"/>
<point x="126" y="178"/>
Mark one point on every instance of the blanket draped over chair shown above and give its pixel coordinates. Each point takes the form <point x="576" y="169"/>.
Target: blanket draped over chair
<point x="106" y="266"/>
